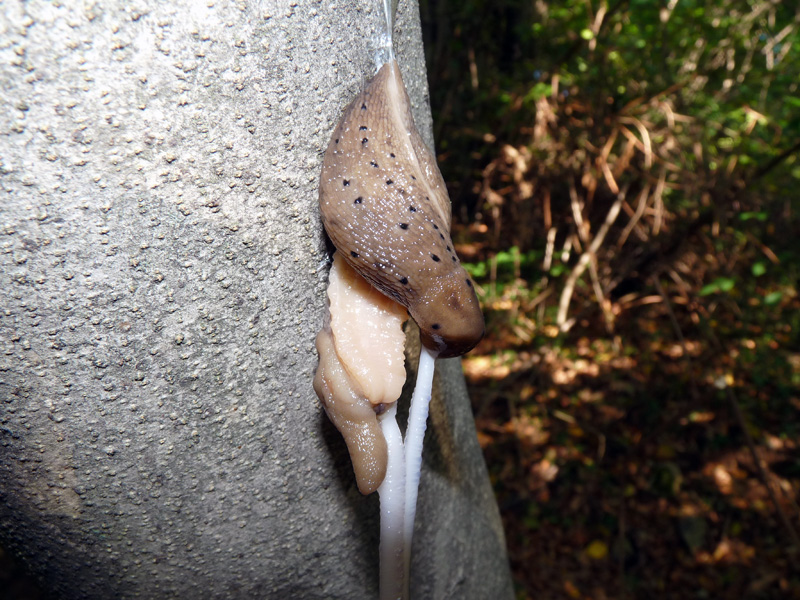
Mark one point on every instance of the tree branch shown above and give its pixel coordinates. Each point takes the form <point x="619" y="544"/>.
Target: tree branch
<point x="586" y="257"/>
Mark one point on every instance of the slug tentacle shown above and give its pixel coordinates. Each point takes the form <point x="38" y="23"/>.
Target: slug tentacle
<point x="384" y="205"/>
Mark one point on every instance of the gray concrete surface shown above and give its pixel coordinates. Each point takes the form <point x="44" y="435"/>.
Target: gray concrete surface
<point x="162" y="279"/>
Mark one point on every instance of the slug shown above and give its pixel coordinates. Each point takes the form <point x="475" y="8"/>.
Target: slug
<point x="362" y="337"/>
<point x="385" y="207"/>
<point x="367" y="328"/>
<point x="353" y="415"/>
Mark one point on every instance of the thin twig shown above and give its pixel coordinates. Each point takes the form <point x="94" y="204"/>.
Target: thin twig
<point x="586" y="257"/>
<point x="546" y="264"/>
<point x="577" y="212"/>
<point x="764" y="170"/>
<point x="647" y="146"/>
<point x="658" y="196"/>
<point x="678" y="334"/>
<point x="641" y="204"/>
<point x="608" y="316"/>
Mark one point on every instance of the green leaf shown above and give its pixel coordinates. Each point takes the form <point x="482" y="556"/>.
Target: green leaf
<point x="726" y="283"/>
<point x="476" y="270"/>
<point x="758" y="216"/>
<point x="707" y="290"/>
<point x="538" y="91"/>
<point x="773" y="298"/>
<point x="759" y="268"/>
<point x="792" y="101"/>
<point x="720" y="284"/>
<point x="508" y="258"/>
<point x="587" y="34"/>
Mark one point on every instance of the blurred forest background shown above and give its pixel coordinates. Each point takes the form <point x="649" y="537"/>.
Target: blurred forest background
<point x="625" y="184"/>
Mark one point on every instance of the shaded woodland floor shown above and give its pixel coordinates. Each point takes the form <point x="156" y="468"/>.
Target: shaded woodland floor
<point x="622" y="467"/>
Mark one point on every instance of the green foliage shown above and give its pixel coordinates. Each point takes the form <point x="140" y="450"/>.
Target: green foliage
<point x="720" y="284"/>
<point x="709" y="92"/>
<point x="724" y="65"/>
<point x="546" y="113"/>
<point x="507" y="266"/>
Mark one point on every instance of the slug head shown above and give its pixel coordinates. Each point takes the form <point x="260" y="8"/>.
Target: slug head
<point x="449" y="316"/>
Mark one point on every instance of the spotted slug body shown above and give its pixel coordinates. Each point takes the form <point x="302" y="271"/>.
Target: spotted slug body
<point x="385" y="207"/>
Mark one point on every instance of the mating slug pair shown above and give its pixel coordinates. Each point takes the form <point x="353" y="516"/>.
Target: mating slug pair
<point x="385" y="207"/>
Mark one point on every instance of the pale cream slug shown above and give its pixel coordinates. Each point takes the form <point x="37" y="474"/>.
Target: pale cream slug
<point x="368" y="331"/>
<point x="362" y="337"/>
<point x="385" y="207"/>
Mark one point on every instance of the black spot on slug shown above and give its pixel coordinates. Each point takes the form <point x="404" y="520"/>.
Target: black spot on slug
<point x="412" y="209"/>
<point x="364" y="141"/>
<point x="373" y="163"/>
<point x="469" y="283"/>
<point x="363" y="107"/>
<point x="448" y="249"/>
<point x="403" y="225"/>
<point x="353" y="254"/>
<point x="345" y="182"/>
<point x="441" y="236"/>
<point x="435" y="226"/>
<point x="404" y="281"/>
<point x="435" y="326"/>
<point x="389" y="182"/>
<point x="414" y="178"/>
<point x="336" y="141"/>
<point x="358" y="200"/>
<point x="454" y="259"/>
<point x="435" y="258"/>
<point x="362" y="128"/>
<point x="391" y="154"/>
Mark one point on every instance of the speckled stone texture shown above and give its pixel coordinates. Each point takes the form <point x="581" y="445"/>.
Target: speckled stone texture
<point x="162" y="279"/>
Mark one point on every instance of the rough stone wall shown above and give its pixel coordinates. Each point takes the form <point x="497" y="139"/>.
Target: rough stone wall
<point x="162" y="279"/>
